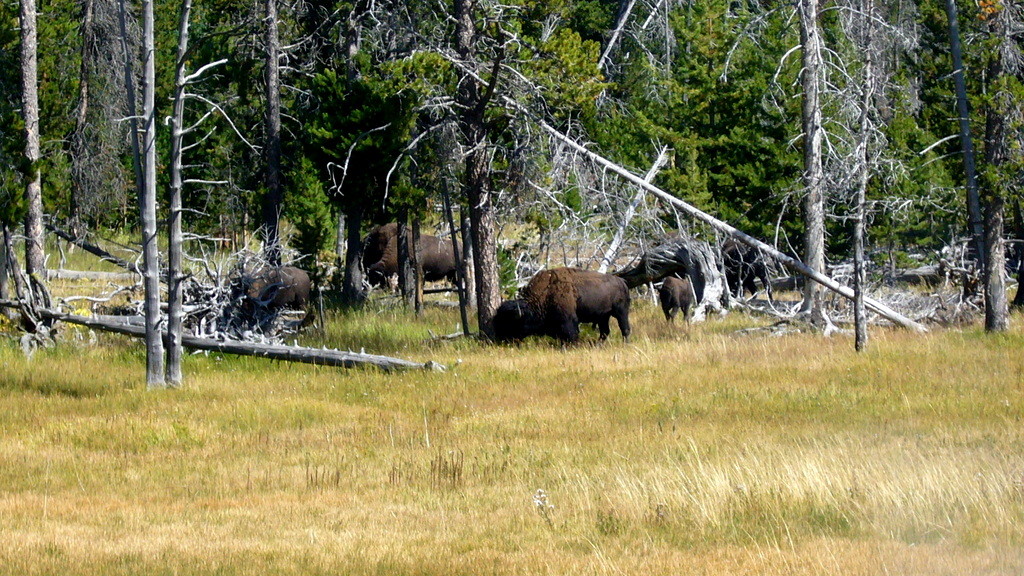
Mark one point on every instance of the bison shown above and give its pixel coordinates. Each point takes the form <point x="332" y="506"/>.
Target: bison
<point x="556" y="301"/>
<point x="380" y="256"/>
<point x="744" y="265"/>
<point x="284" y="288"/>
<point x="676" y="295"/>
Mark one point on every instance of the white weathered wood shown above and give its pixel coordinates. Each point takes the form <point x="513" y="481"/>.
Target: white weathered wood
<point x="620" y="234"/>
<point x="720" y="225"/>
<point x="320" y="357"/>
<point x="786" y="260"/>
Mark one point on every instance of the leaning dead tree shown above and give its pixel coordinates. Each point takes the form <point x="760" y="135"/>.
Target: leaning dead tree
<point x="784" y="259"/>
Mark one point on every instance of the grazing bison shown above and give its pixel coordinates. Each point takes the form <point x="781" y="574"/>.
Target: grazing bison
<point x="284" y="288"/>
<point x="676" y="295"/>
<point x="744" y="265"/>
<point x="556" y="301"/>
<point x="515" y="320"/>
<point x="380" y="256"/>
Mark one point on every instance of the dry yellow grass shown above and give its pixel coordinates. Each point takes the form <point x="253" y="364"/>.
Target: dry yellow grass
<point x="697" y="452"/>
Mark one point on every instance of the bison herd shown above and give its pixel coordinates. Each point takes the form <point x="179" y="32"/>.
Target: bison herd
<point x="553" y="303"/>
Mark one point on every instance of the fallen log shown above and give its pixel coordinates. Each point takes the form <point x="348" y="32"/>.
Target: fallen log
<point x="62" y="274"/>
<point x="319" y="357"/>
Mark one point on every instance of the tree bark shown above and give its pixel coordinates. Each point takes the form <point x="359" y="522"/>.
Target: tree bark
<point x="813" y="176"/>
<point x="4" y="269"/>
<point x="155" y="376"/>
<point x="477" y="181"/>
<point x="352" y="293"/>
<point x="863" y="177"/>
<point x="274" y="194"/>
<point x="175" y="276"/>
<point x="417" y="268"/>
<point x="78" y="189"/>
<point x="460" y="268"/>
<point x="35" y="257"/>
<point x="975" y="218"/>
<point x="997" y="317"/>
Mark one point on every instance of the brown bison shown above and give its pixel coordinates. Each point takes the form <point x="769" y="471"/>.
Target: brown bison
<point x="676" y="295"/>
<point x="744" y="266"/>
<point x="380" y="256"/>
<point x="556" y="301"/>
<point x="281" y="288"/>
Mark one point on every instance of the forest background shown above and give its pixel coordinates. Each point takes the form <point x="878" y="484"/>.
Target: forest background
<point x="369" y="97"/>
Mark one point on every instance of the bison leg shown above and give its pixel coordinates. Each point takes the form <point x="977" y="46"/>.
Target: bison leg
<point x="621" y="315"/>
<point x="604" y="327"/>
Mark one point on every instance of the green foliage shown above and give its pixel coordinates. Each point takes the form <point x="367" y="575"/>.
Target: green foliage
<point x="357" y="131"/>
<point x="565" y="68"/>
<point x="307" y="209"/>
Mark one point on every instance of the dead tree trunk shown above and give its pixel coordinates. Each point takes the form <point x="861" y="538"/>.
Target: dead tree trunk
<point x="863" y="176"/>
<point x="82" y="115"/>
<point x="813" y="176"/>
<point x="175" y="314"/>
<point x="4" y="268"/>
<point x="155" y="374"/>
<point x="474" y="127"/>
<point x="975" y="219"/>
<point x="35" y="258"/>
<point x="997" y="317"/>
<point x="460" y="268"/>
<point x="613" y="249"/>
<point x="319" y="357"/>
<point x="274" y="193"/>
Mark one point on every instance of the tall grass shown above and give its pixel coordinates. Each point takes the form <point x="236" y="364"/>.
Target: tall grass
<point x="692" y="451"/>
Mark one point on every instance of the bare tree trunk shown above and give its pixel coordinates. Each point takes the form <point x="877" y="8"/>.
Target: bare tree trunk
<point x="975" y="218"/>
<point x="814" y="202"/>
<point x="477" y="175"/>
<point x="863" y="175"/>
<point x="147" y="207"/>
<point x="417" y="267"/>
<point x="625" y="9"/>
<point x="35" y="257"/>
<point x="175" y="276"/>
<point x="613" y="249"/>
<point x="274" y="194"/>
<point x="405" y="260"/>
<point x="460" y="268"/>
<point x="339" y="250"/>
<point x="4" y="269"/>
<point x="81" y="116"/>
<point x="352" y="293"/>
<point x="469" y="275"/>
<point x="997" y="317"/>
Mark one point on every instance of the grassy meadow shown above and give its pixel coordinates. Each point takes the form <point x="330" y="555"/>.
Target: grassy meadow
<point x="684" y="451"/>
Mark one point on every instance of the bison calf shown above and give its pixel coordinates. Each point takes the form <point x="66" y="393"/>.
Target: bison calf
<point x="676" y="295"/>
